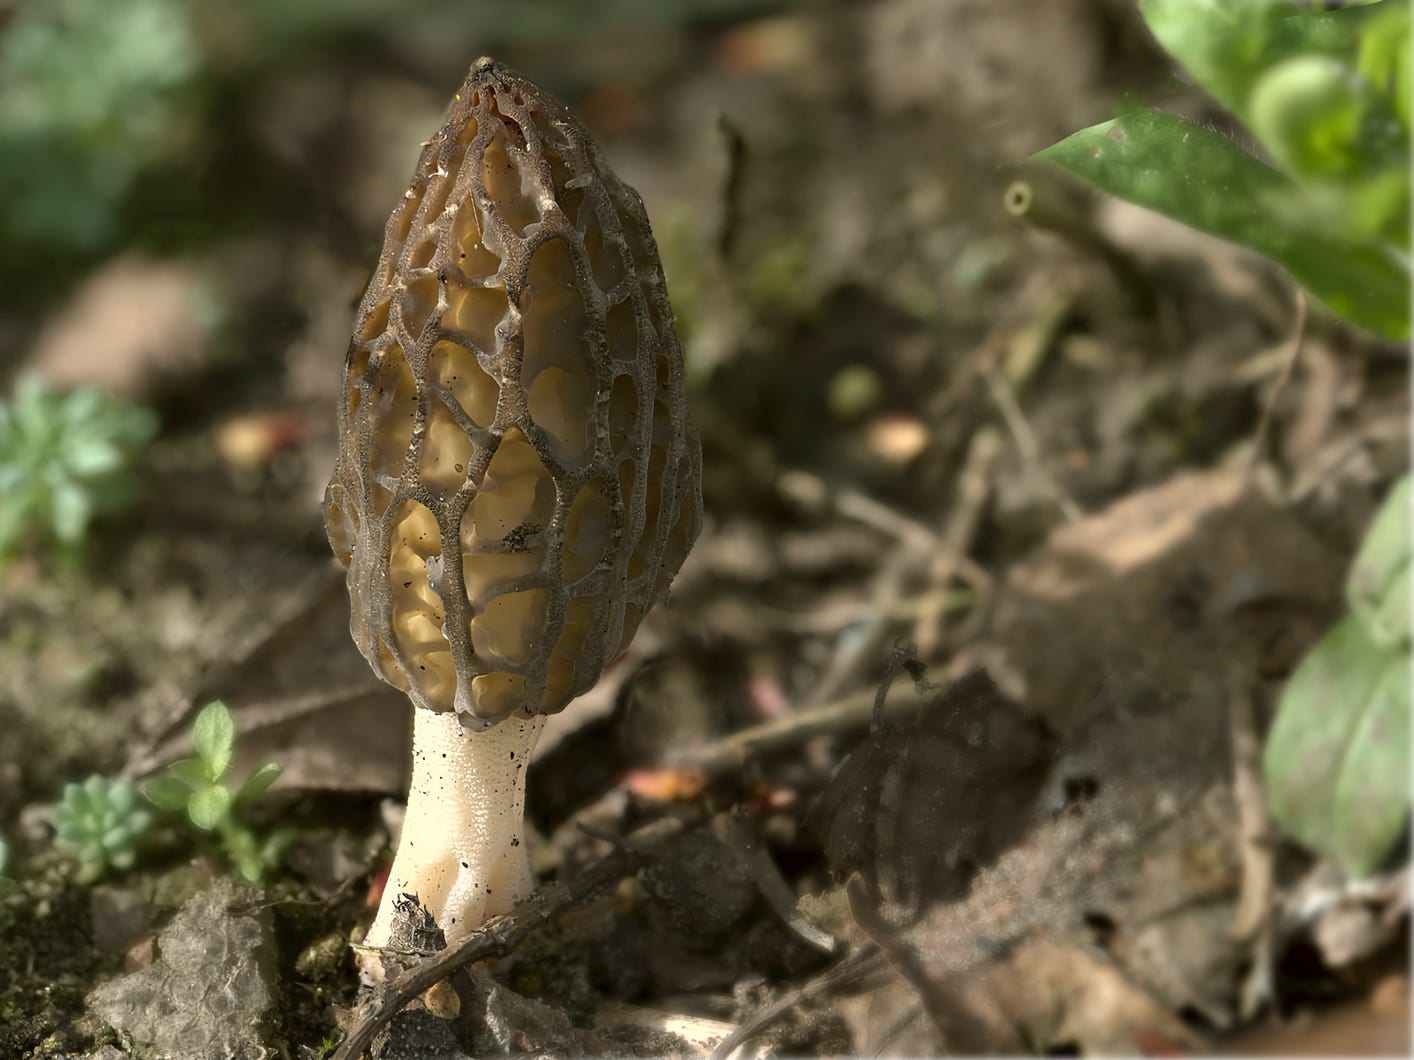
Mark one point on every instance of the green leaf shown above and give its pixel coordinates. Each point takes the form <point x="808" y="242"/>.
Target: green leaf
<point x="1337" y="760"/>
<point x="258" y="781"/>
<point x="167" y="793"/>
<point x="209" y="807"/>
<point x="244" y="851"/>
<point x="191" y="772"/>
<point x="1228" y="44"/>
<point x="1308" y="113"/>
<point x="1201" y="178"/>
<point x="214" y="736"/>
<point x="1378" y="585"/>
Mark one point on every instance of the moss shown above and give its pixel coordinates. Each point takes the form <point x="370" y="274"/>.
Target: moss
<point x="47" y="961"/>
<point x="306" y="924"/>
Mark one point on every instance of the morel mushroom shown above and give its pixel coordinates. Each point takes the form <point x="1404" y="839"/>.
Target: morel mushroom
<point x="517" y="481"/>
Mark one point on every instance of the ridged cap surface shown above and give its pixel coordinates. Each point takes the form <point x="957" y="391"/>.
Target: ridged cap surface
<point x="518" y="480"/>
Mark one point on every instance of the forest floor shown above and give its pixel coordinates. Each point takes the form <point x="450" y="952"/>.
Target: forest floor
<point x="956" y="708"/>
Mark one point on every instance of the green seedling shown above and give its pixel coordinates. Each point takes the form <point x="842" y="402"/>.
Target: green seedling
<point x="200" y="789"/>
<point x="100" y="824"/>
<point x="1326" y="96"/>
<point x="65" y="458"/>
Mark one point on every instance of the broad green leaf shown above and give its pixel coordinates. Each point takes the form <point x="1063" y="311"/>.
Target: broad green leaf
<point x="209" y="806"/>
<point x="1378" y="586"/>
<point x="1203" y="179"/>
<point x="1226" y="45"/>
<point x="214" y="735"/>
<point x="1307" y="111"/>
<point x="167" y="793"/>
<point x="258" y="781"/>
<point x="1337" y="759"/>
<point x="1384" y="56"/>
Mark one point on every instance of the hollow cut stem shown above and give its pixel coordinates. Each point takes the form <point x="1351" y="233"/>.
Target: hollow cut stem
<point x="462" y="850"/>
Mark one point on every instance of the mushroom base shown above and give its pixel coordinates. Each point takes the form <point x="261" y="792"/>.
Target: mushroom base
<point x="462" y="850"/>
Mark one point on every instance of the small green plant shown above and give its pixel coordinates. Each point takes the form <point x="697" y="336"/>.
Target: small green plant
<point x="64" y="458"/>
<point x="1327" y="96"/>
<point x="1337" y="760"/>
<point x="100" y="824"/>
<point x="198" y="788"/>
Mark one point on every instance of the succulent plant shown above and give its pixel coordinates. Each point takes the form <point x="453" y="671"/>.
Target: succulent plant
<point x="518" y="480"/>
<point x="65" y="457"/>
<point x="100" y="824"/>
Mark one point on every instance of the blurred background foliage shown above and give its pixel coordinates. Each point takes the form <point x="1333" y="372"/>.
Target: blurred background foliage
<point x="112" y="116"/>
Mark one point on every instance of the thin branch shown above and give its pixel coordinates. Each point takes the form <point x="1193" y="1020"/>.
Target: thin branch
<point x="811" y="491"/>
<point x="843" y="715"/>
<point x="862" y="966"/>
<point x="1290" y="354"/>
<point x="503" y="934"/>
<point x="1253" y="920"/>
<point x="1026" y="443"/>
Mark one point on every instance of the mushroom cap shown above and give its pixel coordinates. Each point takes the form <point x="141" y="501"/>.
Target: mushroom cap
<point x="514" y="389"/>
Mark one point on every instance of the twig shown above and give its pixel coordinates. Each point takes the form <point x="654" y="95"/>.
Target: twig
<point x="852" y="712"/>
<point x="1254" y="821"/>
<point x="811" y="490"/>
<point x="1252" y="922"/>
<point x="831" y="618"/>
<point x="1289" y="355"/>
<point x="1047" y="203"/>
<point x="768" y="879"/>
<point x="911" y="1015"/>
<point x="1026" y="442"/>
<point x="862" y="966"/>
<point x="974" y="487"/>
<point x="1041" y="307"/>
<point x="860" y="650"/>
<point x="902" y="957"/>
<point x="503" y="934"/>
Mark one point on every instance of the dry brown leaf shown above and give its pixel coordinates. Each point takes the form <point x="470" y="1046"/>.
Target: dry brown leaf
<point x="1139" y="605"/>
<point x="926" y="801"/>
<point x="302" y="696"/>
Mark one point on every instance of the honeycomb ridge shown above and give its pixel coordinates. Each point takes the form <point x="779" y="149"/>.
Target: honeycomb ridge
<point x="514" y="386"/>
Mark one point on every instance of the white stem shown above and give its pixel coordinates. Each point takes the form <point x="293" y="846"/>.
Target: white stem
<point x="462" y="851"/>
